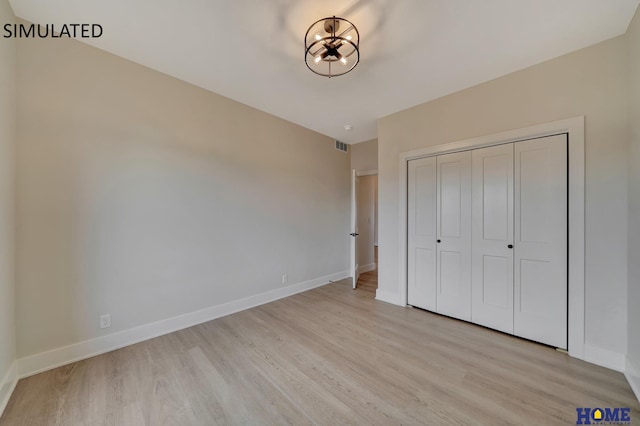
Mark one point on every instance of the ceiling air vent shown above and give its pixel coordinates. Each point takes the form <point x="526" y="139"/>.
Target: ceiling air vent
<point x="341" y="146"/>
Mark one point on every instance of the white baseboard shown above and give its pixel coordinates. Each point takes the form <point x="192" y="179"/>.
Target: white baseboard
<point x="366" y="268"/>
<point x="632" y="373"/>
<point x="604" y="357"/>
<point x="389" y="297"/>
<point x="58" y="357"/>
<point x="7" y="386"/>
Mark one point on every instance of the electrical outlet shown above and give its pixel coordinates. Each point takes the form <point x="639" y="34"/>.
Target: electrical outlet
<point x="105" y="321"/>
<point x="285" y="279"/>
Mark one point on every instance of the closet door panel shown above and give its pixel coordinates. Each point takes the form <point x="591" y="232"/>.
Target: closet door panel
<point x="496" y="290"/>
<point x="422" y="197"/>
<point x="540" y="251"/>
<point x="454" y="235"/>
<point x="492" y="228"/>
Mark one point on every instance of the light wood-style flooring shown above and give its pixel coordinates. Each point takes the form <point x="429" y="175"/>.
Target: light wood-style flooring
<point x="330" y="356"/>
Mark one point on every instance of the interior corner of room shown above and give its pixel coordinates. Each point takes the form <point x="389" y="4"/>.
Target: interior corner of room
<point x="135" y="204"/>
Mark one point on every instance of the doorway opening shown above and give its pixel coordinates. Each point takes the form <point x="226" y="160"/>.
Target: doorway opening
<point x="366" y="226"/>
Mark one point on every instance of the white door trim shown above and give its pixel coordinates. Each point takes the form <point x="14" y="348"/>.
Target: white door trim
<point x="575" y="129"/>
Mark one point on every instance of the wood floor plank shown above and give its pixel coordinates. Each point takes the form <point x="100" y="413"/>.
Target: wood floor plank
<point x="327" y="356"/>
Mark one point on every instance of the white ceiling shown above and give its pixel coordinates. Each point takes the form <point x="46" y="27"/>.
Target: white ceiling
<point x="412" y="51"/>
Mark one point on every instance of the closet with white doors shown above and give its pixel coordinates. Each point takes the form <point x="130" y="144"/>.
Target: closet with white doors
<point x="487" y="237"/>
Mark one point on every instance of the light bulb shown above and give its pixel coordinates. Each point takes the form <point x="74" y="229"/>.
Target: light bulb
<point x="343" y="60"/>
<point x="349" y="37"/>
<point x="317" y="59"/>
<point x="318" y="36"/>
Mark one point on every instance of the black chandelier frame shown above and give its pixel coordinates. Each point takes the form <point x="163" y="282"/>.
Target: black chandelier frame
<point x="325" y="50"/>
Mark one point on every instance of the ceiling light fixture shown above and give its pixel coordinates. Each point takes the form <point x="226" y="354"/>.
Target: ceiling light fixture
<point x="332" y="47"/>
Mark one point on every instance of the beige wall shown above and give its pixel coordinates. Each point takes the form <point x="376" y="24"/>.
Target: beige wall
<point x="589" y="82"/>
<point x="145" y="197"/>
<point x="366" y="219"/>
<point x="7" y="198"/>
<point x="364" y="155"/>
<point x="633" y="327"/>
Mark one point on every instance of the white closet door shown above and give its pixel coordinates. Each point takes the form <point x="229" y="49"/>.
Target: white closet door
<point x="541" y="240"/>
<point x="492" y="225"/>
<point x="454" y="235"/>
<point x="422" y="233"/>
